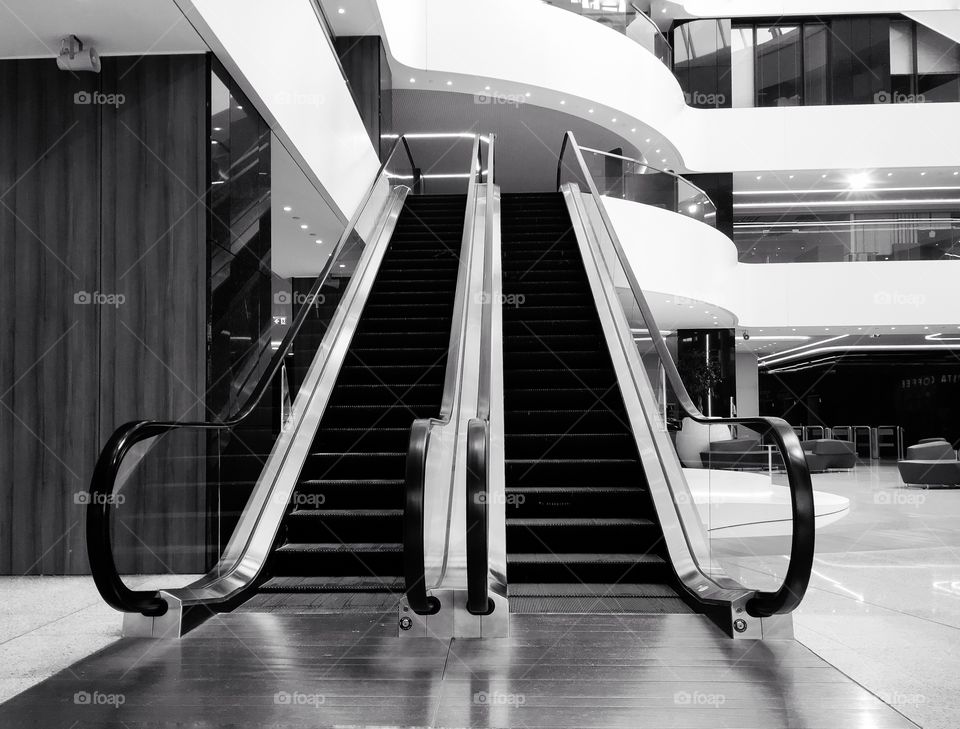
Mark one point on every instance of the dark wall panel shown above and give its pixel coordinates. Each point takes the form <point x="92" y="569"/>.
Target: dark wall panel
<point x="153" y="253"/>
<point x="95" y="200"/>
<point x="48" y="377"/>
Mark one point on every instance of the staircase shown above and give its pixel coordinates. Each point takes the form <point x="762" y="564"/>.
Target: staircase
<point x="340" y="544"/>
<point x="582" y="534"/>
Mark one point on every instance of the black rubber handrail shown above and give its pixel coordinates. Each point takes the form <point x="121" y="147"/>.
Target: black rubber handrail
<point x="478" y="526"/>
<point x="797" y="577"/>
<point x="413" y="514"/>
<point x="414" y="564"/>
<point x="103" y="567"/>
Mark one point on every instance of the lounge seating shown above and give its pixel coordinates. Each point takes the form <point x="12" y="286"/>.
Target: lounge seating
<point x="930" y="463"/>
<point x="824" y="455"/>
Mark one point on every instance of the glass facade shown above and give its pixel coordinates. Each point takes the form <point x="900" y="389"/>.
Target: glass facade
<point x="841" y="60"/>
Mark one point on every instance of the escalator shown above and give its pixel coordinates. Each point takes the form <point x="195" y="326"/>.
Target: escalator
<point x="341" y="543"/>
<point x="581" y="532"/>
<point x="317" y="491"/>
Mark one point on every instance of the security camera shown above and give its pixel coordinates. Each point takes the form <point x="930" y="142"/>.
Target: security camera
<point x="75" y="57"/>
<point x="746" y="336"/>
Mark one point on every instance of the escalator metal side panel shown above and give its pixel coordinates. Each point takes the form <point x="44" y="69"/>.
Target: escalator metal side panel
<point x="233" y="578"/>
<point x="684" y="535"/>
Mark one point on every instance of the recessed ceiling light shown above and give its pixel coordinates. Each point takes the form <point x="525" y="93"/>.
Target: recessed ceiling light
<point x="319" y="242"/>
<point x="658" y="151"/>
<point x="759" y="177"/>
<point x="923" y="174"/>
<point x="218" y="129"/>
<point x="614" y="120"/>
<point x="486" y="88"/>
<point x="304" y="227"/>
<point x="527" y="94"/>
<point x="341" y="11"/>
<point x="449" y="83"/>
<point x="634" y="129"/>
<point x="889" y="174"/>
<point x="647" y="141"/>
<point x="287" y="208"/>
<point x="412" y="80"/>
<point x="213" y="141"/>
<point x="859" y="181"/>
<point x="343" y="265"/>
<point x="956" y="173"/>
<point x="562" y="102"/>
<point x="589" y="111"/>
<point x="823" y="176"/>
<point x="792" y="176"/>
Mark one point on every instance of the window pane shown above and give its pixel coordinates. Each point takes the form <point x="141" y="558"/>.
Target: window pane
<point x="938" y="66"/>
<point x="815" y="64"/>
<point x="742" y="68"/>
<point x="778" y="66"/>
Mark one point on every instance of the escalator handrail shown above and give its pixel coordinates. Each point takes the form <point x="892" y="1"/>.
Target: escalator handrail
<point x="478" y="430"/>
<point x="797" y="575"/>
<point x="103" y="567"/>
<point x="415" y="481"/>
<point x="478" y="524"/>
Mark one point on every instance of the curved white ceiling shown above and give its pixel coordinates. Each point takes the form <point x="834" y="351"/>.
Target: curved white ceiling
<point x="573" y="64"/>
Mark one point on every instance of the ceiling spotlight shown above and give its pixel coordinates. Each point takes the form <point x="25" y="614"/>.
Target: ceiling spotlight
<point x="412" y="80"/>
<point x="923" y="174"/>
<point x="634" y="129"/>
<point x="319" y="242"/>
<point x="614" y="120"/>
<point x="859" y="181"/>
<point x="218" y="129"/>
<point x="563" y="102"/>
<point x="486" y="88"/>
<point x="759" y="177"/>
<point x="889" y="174"/>
<point x="343" y="265"/>
<point x="823" y="176"/>
<point x="647" y="141"/>
<point x="589" y="111"/>
<point x="792" y="176"/>
<point x="693" y="209"/>
<point x="287" y="208"/>
<point x="341" y="11"/>
<point x="527" y="94"/>
<point x="304" y="227"/>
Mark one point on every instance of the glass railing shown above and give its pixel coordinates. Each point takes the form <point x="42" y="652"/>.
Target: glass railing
<point x="733" y="495"/>
<point x="623" y="17"/>
<point x="635" y="180"/>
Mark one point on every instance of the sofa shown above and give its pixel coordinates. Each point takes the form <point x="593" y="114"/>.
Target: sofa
<point x="930" y="463"/>
<point x="825" y="455"/>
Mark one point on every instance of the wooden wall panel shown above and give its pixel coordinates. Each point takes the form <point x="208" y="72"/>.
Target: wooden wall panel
<point x="154" y="252"/>
<point x="48" y="378"/>
<point x="108" y="200"/>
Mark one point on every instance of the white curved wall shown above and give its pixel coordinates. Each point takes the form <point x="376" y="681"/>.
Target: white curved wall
<point x="777" y="8"/>
<point x="525" y="45"/>
<point x="674" y="254"/>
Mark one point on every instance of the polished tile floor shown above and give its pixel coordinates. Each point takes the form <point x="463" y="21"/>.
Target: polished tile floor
<point x="883" y="608"/>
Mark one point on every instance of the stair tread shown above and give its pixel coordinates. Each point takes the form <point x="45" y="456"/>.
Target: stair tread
<point x="577" y="589"/>
<point x="578" y="522"/>
<point x="330" y="547"/>
<point x="340" y="513"/>
<point x="582" y="558"/>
